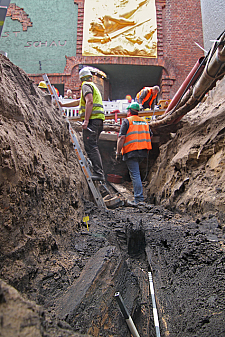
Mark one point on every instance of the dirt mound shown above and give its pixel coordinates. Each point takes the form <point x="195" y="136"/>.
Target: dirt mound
<point x="189" y="172"/>
<point x="59" y="277"/>
<point x="41" y="183"/>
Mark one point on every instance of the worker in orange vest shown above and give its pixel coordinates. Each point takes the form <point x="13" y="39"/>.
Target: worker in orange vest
<point x="133" y="143"/>
<point x="146" y="97"/>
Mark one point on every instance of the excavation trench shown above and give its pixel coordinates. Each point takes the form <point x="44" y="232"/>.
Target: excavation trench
<point x="59" y="273"/>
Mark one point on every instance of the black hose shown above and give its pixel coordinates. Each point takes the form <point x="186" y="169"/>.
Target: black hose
<point x="146" y="168"/>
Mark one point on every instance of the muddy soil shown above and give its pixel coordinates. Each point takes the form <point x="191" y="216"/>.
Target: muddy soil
<point x="59" y="274"/>
<point x="189" y="172"/>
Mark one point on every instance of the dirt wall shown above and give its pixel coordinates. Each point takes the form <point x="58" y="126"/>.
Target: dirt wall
<point x="188" y="174"/>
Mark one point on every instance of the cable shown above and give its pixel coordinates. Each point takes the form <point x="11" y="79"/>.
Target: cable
<point x="146" y="173"/>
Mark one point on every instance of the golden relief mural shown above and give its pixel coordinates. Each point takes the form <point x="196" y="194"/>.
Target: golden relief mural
<point x="120" y="28"/>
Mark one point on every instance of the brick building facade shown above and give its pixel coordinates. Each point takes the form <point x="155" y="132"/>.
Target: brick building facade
<point x="179" y="26"/>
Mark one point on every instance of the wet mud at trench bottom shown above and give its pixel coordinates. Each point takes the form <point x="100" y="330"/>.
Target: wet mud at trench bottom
<point x="186" y="258"/>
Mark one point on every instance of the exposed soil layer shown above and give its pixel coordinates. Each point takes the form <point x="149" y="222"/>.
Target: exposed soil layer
<point x="189" y="172"/>
<point x="59" y="274"/>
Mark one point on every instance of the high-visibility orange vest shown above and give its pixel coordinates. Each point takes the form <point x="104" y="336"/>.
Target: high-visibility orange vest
<point x="147" y="96"/>
<point x="138" y="135"/>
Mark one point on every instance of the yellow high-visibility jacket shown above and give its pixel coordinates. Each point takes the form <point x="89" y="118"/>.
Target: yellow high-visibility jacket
<point x="98" y="110"/>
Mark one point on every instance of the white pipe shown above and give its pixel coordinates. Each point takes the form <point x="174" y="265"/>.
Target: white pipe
<point x="200" y="47"/>
<point x="126" y="315"/>
<point x="155" y="313"/>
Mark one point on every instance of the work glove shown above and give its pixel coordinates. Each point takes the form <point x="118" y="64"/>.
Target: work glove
<point x="118" y="157"/>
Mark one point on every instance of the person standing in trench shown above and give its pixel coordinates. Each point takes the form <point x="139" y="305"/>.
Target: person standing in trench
<point x="91" y="112"/>
<point x="133" y="143"/>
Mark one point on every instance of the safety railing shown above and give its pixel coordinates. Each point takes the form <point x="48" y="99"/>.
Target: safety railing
<point x="119" y="106"/>
<point x="71" y="112"/>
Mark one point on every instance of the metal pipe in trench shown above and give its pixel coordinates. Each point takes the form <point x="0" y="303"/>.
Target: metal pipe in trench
<point x="210" y="72"/>
<point x="126" y="315"/>
<point x="155" y="313"/>
<point x="190" y="79"/>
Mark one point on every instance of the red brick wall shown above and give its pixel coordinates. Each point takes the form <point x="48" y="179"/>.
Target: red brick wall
<point x="179" y="25"/>
<point x="17" y="13"/>
<point x="182" y="27"/>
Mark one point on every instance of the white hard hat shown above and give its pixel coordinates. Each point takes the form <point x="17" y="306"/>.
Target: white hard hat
<point x="156" y="87"/>
<point x="84" y="72"/>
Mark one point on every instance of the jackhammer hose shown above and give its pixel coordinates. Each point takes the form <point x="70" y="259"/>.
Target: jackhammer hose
<point x="146" y="173"/>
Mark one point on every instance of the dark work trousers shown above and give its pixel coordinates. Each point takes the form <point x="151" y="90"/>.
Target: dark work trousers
<point x="90" y="140"/>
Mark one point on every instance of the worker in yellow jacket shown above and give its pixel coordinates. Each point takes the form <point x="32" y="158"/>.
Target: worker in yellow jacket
<point x="92" y="113"/>
<point x="146" y="97"/>
<point x="133" y="143"/>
